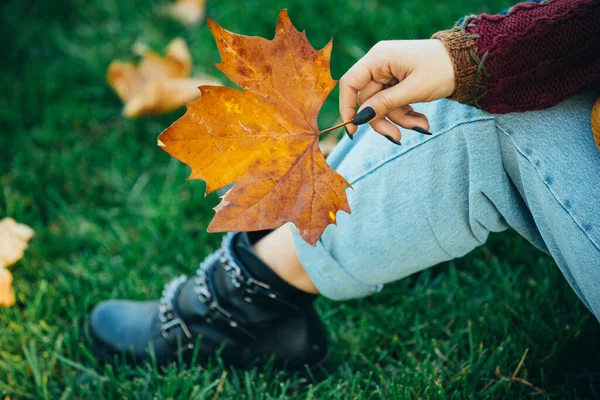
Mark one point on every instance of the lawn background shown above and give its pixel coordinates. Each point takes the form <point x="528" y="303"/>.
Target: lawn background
<point x="115" y="217"/>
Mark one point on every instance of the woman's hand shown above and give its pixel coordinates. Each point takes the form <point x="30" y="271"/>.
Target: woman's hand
<point x="391" y="76"/>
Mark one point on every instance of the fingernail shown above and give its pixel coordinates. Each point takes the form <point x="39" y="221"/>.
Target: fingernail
<point x="421" y="130"/>
<point x="391" y="139"/>
<point x="348" y="133"/>
<point x="364" y="116"/>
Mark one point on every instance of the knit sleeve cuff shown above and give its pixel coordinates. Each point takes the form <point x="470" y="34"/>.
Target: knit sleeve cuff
<point x="462" y="50"/>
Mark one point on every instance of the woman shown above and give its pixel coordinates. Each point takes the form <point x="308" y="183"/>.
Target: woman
<point x="436" y="197"/>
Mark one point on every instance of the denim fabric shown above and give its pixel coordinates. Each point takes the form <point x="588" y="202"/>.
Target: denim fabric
<point x="438" y="197"/>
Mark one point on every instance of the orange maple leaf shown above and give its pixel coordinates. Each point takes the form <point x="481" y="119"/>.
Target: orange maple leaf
<point x="264" y="138"/>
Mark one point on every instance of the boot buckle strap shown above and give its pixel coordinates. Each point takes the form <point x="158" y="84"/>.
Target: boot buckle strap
<point x="175" y="322"/>
<point x="255" y="291"/>
<point x="223" y="320"/>
<point x="167" y="314"/>
<point x="252" y="290"/>
<point x="214" y="313"/>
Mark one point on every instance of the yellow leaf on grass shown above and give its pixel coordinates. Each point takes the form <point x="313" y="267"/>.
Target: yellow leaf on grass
<point x="158" y="84"/>
<point x="7" y="297"/>
<point x="13" y="242"/>
<point x="188" y="12"/>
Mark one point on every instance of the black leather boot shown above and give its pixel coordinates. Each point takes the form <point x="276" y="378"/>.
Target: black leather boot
<point x="234" y="305"/>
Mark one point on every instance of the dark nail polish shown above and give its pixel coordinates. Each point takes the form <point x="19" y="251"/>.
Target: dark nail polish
<point x="391" y="139"/>
<point x="348" y="134"/>
<point x="364" y="116"/>
<point x="421" y="130"/>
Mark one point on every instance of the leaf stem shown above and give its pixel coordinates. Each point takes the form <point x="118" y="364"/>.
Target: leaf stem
<point x="335" y="127"/>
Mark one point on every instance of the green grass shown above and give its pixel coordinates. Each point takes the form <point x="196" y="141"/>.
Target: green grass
<point x="115" y="217"/>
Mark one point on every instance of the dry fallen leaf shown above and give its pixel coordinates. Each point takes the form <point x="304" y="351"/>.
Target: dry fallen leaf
<point x="7" y="297"/>
<point x="13" y="241"/>
<point x="158" y="84"/>
<point x="187" y="12"/>
<point x="264" y="138"/>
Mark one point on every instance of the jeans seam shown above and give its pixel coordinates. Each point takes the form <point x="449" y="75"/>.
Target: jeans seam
<point x="505" y="133"/>
<point x="434" y="137"/>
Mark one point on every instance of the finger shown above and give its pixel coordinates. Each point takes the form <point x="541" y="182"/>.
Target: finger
<point x="422" y="125"/>
<point x="353" y="81"/>
<point x="387" y="129"/>
<point x="369" y="90"/>
<point x="407" y="118"/>
<point x="374" y="87"/>
<point x="387" y="100"/>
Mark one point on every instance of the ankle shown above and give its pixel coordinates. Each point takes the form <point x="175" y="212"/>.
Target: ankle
<point x="277" y="251"/>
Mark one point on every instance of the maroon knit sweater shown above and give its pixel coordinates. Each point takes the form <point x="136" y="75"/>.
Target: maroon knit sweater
<point x="532" y="57"/>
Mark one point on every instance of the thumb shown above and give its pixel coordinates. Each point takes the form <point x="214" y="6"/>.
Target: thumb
<point x="387" y="100"/>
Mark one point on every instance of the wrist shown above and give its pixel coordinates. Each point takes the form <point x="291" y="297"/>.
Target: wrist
<point x="461" y="49"/>
<point x="445" y="69"/>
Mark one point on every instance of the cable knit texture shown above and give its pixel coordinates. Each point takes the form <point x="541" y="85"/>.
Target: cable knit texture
<point x="530" y="57"/>
<point x="539" y="54"/>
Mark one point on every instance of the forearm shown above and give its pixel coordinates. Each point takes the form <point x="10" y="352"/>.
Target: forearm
<point x="533" y="57"/>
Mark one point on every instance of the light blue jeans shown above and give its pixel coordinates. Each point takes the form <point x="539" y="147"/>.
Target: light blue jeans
<point x="438" y="197"/>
